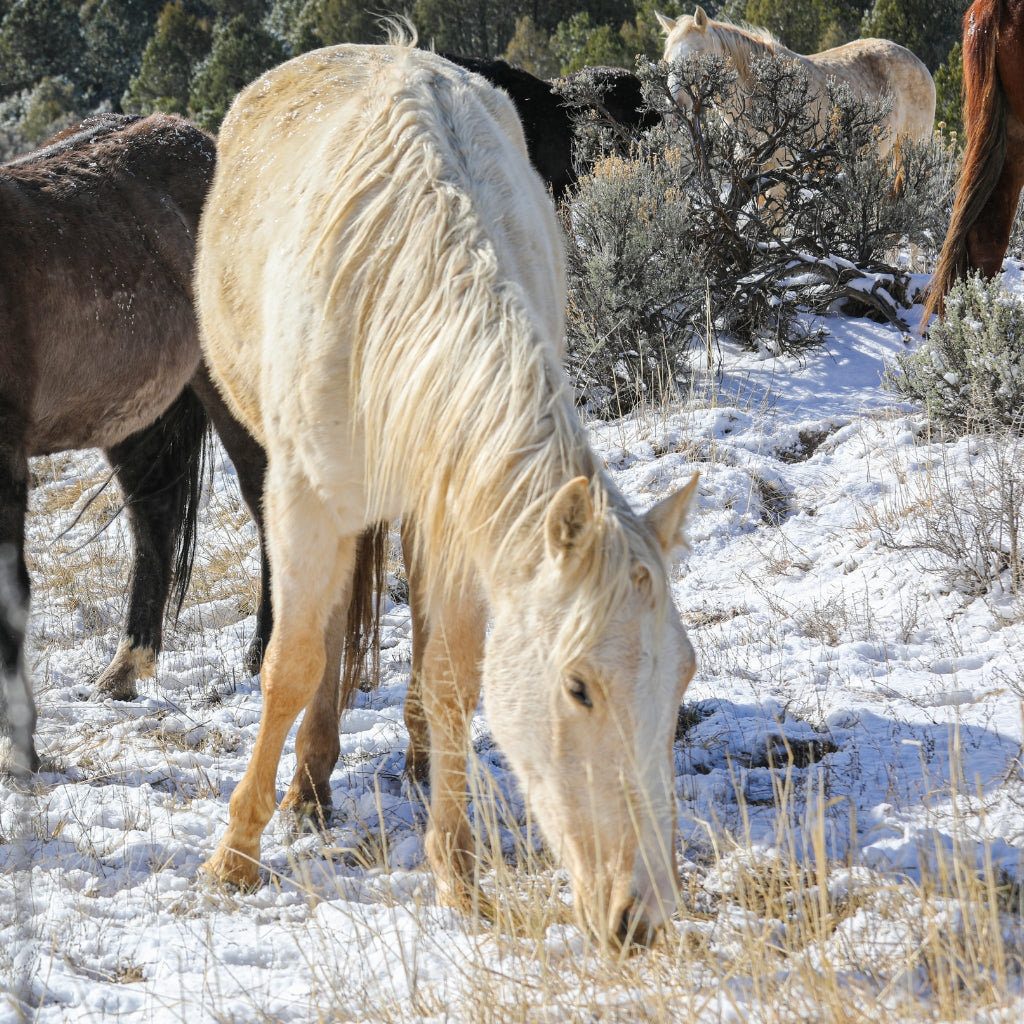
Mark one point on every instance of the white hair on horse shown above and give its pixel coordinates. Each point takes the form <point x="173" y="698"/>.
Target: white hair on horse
<point x="381" y="287"/>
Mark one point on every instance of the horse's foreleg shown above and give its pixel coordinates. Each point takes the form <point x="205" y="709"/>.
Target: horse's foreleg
<point x="417" y="755"/>
<point x="158" y="470"/>
<point x="250" y="462"/>
<point x="17" y="707"/>
<point x="451" y="690"/>
<point x="312" y="568"/>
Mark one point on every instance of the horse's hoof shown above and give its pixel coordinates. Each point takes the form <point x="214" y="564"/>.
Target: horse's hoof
<point x="232" y="869"/>
<point x="20" y="763"/>
<point x="118" y="679"/>
<point x="417" y="769"/>
<point x="119" y="690"/>
<point x="253" y="660"/>
<point x="309" y="807"/>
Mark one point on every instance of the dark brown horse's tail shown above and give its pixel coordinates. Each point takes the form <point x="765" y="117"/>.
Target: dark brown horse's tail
<point x="985" y="126"/>
<point x="187" y="441"/>
<point x="362" y="627"/>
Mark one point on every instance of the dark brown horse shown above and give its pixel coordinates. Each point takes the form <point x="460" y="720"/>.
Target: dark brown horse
<point x="993" y="168"/>
<point x="99" y="348"/>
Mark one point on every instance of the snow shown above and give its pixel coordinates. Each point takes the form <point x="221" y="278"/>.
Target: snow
<point x="897" y="698"/>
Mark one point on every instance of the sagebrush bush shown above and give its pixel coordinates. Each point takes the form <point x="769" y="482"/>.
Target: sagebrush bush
<point x="969" y="371"/>
<point x="741" y="215"/>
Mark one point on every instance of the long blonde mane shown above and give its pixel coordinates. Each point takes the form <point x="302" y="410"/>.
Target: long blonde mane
<point x="462" y="403"/>
<point x="743" y="44"/>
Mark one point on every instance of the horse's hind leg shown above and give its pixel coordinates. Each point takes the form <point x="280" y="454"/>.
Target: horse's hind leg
<point x="451" y="690"/>
<point x="312" y="569"/>
<point x="317" y="745"/>
<point x="17" y="707"/>
<point x="417" y="755"/>
<point x="159" y="473"/>
<point x="250" y="462"/>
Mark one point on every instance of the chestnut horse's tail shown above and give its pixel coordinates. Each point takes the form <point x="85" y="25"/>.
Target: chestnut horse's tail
<point x="985" y="110"/>
<point x="362" y="627"/>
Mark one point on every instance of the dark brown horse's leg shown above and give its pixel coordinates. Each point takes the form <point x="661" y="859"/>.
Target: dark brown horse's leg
<point x="250" y="462"/>
<point x="17" y="707"/>
<point x="989" y="238"/>
<point x="417" y="756"/>
<point x="159" y="470"/>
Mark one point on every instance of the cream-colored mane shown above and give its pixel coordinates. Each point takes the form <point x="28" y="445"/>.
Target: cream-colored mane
<point x="468" y="376"/>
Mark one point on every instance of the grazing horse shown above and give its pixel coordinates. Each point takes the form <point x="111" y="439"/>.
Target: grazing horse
<point x="872" y="68"/>
<point x="992" y="173"/>
<point x="99" y="347"/>
<point x="380" y="286"/>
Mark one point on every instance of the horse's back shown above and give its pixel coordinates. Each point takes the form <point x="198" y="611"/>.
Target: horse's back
<point x="879" y="67"/>
<point x="97" y="235"/>
<point x="351" y="171"/>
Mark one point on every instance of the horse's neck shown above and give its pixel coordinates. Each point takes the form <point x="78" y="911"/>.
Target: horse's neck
<point x="488" y="517"/>
<point x="744" y="46"/>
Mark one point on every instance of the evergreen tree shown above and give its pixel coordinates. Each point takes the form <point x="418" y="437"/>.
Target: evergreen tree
<point x="114" y="35"/>
<point x="530" y="49"/>
<point x="927" y="27"/>
<point x="241" y="52"/>
<point x="39" y="39"/>
<point x="949" y="87"/>
<point x="180" y="40"/>
<point x="579" y="43"/>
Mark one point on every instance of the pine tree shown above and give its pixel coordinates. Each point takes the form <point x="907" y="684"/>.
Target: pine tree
<point x="38" y="39"/>
<point x="114" y="35"/>
<point x="180" y="40"/>
<point x="927" y="27"/>
<point x="241" y="52"/>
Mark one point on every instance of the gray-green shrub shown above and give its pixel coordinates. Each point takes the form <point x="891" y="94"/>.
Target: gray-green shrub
<point x="969" y="371"/>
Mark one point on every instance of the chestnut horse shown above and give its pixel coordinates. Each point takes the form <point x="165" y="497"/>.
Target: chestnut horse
<point x="99" y="348"/>
<point x="992" y="173"/>
<point x="380" y="285"/>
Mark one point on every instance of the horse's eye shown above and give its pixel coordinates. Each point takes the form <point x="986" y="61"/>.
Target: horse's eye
<point x="578" y="692"/>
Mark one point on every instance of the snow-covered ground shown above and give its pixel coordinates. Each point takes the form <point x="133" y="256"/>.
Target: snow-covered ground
<point x="853" y="714"/>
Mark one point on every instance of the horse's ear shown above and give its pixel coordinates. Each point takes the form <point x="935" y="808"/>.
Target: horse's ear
<point x="668" y="517"/>
<point x="569" y="527"/>
<point x="700" y="18"/>
<point x="667" y="24"/>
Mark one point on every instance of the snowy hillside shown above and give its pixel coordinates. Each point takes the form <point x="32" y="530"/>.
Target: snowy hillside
<point x="849" y="762"/>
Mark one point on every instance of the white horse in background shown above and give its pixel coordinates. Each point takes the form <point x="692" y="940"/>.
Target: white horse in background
<point x="381" y="294"/>
<point x="872" y="68"/>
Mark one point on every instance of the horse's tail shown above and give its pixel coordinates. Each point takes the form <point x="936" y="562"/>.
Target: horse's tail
<point x="362" y="627"/>
<point x="985" y="126"/>
<point x="185" y="456"/>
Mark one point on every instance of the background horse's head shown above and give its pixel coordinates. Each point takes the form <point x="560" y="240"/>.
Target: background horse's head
<point x="584" y="670"/>
<point x="695" y="34"/>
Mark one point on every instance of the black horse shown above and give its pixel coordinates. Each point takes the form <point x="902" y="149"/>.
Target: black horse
<point x="548" y="119"/>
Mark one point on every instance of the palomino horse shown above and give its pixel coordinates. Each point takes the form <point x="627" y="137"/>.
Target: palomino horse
<point x="872" y="68"/>
<point x="381" y="295"/>
<point x="100" y="349"/>
<point x="992" y="173"/>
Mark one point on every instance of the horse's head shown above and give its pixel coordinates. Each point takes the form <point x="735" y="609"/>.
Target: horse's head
<point x="685" y="37"/>
<point x="584" y="672"/>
